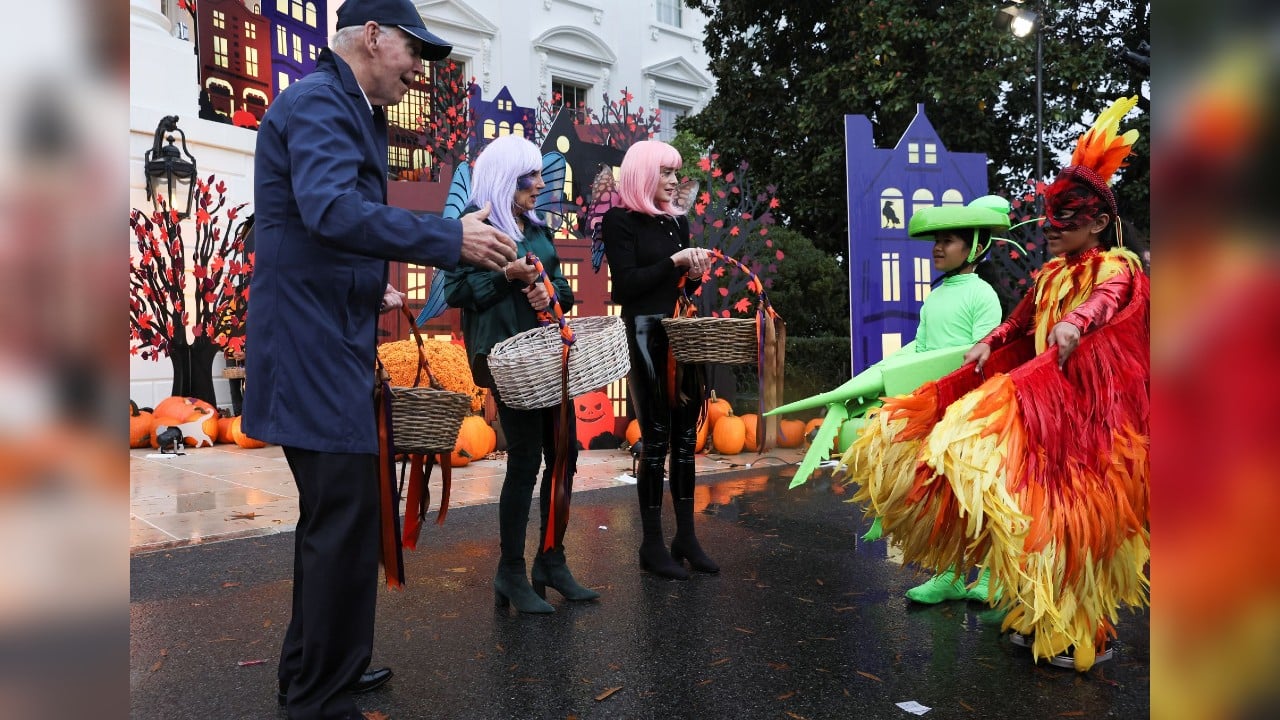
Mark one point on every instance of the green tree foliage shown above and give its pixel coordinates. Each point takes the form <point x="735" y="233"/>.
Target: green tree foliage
<point x="811" y="290"/>
<point x="787" y="73"/>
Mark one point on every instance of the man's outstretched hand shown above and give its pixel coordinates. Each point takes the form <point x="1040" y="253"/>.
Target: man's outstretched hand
<point x="484" y="245"/>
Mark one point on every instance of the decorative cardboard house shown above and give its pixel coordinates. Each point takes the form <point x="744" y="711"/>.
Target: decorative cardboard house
<point x="890" y="274"/>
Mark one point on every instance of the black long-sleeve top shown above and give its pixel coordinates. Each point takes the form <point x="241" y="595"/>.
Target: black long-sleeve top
<point x="639" y="248"/>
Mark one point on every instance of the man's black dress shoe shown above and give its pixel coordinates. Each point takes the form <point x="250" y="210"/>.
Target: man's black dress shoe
<point x="369" y="681"/>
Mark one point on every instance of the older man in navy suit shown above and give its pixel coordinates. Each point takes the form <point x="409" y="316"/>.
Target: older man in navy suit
<point x="324" y="235"/>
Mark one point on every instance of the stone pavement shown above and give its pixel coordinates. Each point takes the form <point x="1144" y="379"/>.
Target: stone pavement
<point x="804" y="622"/>
<point x="226" y="492"/>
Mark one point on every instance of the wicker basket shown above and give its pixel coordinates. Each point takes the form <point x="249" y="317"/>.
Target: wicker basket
<point x="425" y="420"/>
<point x="728" y="341"/>
<point x="526" y="367"/>
<point x="233" y="372"/>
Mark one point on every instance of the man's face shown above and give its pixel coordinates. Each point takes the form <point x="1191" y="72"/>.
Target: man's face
<point x="397" y="63"/>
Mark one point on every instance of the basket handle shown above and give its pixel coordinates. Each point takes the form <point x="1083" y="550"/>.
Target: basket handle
<point x="552" y="313"/>
<point x="423" y="365"/>
<point x="770" y="341"/>
<point x="685" y="306"/>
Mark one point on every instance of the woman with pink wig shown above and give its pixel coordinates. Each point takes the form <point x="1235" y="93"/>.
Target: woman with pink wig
<point x="647" y="243"/>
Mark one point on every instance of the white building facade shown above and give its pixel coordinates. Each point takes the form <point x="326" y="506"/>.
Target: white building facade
<point x="586" y="48"/>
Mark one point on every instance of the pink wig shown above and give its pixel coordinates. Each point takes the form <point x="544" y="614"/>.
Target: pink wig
<point x="638" y="177"/>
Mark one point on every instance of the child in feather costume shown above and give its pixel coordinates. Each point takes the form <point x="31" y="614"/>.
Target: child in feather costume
<point x="1031" y="460"/>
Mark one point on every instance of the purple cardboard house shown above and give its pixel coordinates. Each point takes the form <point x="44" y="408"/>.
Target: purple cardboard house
<point x="297" y="35"/>
<point x="497" y="117"/>
<point x="889" y="273"/>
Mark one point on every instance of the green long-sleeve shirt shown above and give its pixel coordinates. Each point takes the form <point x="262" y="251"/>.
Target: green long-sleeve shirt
<point x="961" y="311"/>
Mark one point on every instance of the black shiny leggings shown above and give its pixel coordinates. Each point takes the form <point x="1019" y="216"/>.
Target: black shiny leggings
<point x="664" y="426"/>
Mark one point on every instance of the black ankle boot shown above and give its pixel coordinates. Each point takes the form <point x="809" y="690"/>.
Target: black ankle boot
<point x="655" y="559"/>
<point x="653" y="552"/>
<point x="550" y="569"/>
<point x="685" y="545"/>
<point x="511" y="587"/>
<point x="688" y="549"/>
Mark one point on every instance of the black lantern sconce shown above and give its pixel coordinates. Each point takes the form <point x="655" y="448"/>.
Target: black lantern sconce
<point x="168" y="174"/>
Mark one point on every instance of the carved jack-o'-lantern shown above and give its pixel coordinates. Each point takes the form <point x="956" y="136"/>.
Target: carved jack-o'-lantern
<point x="594" y="412"/>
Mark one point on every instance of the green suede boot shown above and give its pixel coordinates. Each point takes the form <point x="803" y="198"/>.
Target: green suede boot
<point x="550" y="570"/>
<point x="875" y="532"/>
<point x="939" y="589"/>
<point x="511" y="587"/>
<point x="979" y="590"/>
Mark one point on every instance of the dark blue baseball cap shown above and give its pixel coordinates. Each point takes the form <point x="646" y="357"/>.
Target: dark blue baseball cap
<point x="400" y="13"/>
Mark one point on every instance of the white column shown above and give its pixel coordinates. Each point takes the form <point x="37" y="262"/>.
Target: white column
<point x="163" y="78"/>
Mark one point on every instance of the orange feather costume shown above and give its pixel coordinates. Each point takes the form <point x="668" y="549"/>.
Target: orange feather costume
<point x="1038" y="473"/>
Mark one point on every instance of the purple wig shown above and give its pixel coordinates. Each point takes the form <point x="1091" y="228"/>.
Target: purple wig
<point x="638" y="177"/>
<point x="495" y="178"/>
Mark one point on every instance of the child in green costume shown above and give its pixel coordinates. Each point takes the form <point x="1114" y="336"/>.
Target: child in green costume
<point x="959" y="312"/>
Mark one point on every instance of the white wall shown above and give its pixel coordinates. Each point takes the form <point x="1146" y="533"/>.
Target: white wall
<point x="163" y="81"/>
<point x="600" y="44"/>
<point x="604" y="45"/>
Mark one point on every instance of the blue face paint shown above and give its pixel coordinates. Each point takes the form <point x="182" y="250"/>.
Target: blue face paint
<point x="524" y="182"/>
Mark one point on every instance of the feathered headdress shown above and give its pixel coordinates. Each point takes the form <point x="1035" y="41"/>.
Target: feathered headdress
<point x="1098" y="154"/>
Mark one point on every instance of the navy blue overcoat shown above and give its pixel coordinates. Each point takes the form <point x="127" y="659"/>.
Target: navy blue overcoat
<point x="323" y="237"/>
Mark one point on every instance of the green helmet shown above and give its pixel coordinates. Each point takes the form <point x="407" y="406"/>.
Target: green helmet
<point x="989" y="212"/>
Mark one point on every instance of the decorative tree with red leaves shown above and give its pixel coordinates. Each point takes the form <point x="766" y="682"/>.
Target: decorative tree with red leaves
<point x="1018" y="268"/>
<point x="731" y="216"/>
<point x="218" y="280"/>
<point x="447" y="126"/>
<point x="615" y="125"/>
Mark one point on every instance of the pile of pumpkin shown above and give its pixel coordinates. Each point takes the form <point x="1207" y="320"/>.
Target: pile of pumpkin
<point x="177" y="410"/>
<point x="731" y="434"/>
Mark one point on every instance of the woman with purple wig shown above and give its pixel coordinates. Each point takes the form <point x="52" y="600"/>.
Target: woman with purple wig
<point x="647" y="243"/>
<point x="496" y="306"/>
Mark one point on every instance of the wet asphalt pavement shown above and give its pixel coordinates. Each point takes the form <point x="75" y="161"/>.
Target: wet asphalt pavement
<point x="803" y="621"/>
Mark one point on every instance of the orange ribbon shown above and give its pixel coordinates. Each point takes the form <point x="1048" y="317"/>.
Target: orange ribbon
<point x="558" y="515"/>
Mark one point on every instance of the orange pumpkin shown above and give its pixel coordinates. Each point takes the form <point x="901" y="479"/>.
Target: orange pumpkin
<point x="224" y="430"/>
<point x="240" y="438"/>
<point x="750" y="422"/>
<point x="594" y="413"/>
<point x="140" y="423"/>
<point x="476" y="437"/>
<point x="790" y="433"/>
<point x="811" y="427"/>
<point x="716" y="409"/>
<point x="633" y="432"/>
<point x="729" y="435"/>
<point x="183" y="408"/>
<point x="491" y="436"/>
<point x="702" y="434"/>
<point x="457" y="459"/>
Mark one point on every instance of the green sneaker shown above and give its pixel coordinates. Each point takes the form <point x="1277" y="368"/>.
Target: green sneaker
<point x="875" y="532"/>
<point x="939" y="589"/>
<point x="979" y="590"/>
